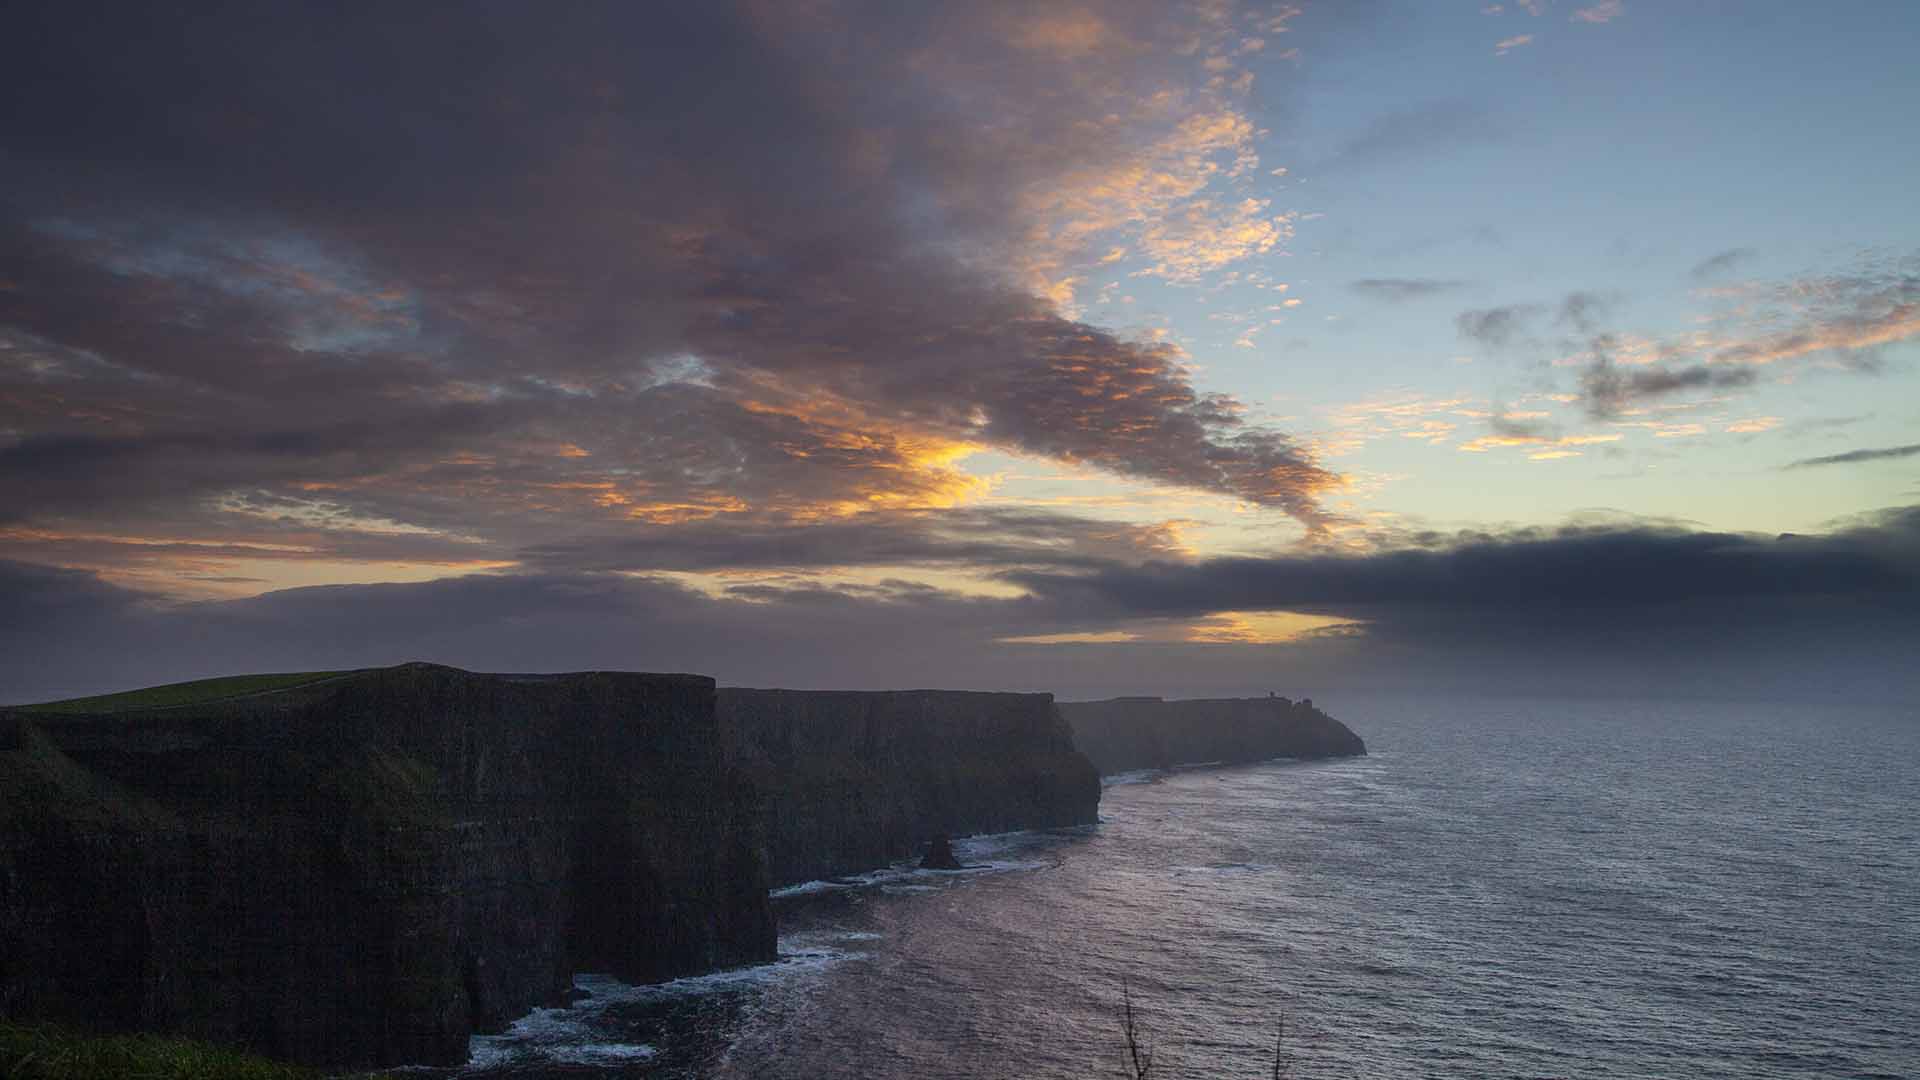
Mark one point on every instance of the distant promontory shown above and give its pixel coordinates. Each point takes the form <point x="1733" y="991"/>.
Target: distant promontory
<point x="1131" y="733"/>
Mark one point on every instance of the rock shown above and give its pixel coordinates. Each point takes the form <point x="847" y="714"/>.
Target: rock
<point x="940" y="856"/>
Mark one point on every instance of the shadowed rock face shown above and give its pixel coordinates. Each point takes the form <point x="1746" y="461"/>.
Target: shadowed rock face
<point x="367" y="870"/>
<point x="858" y="780"/>
<point x="1124" y="734"/>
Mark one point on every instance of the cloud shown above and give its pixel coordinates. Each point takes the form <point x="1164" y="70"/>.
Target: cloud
<point x="1873" y="303"/>
<point x="1496" y="328"/>
<point x="1845" y="318"/>
<point x="1539" y="573"/>
<point x="1875" y="320"/>
<point x="1608" y="608"/>
<point x="1507" y="45"/>
<point x="1401" y="415"/>
<point x="1602" y="12"/>
<point x="1401" y="290"/>
<point x="961" y="538"/>
<point x="1609" y="389"/>
<point x="509" y="297"/>
<point x="1722" y="263"/>
<point x="1533" y="432"/>
<point x="1888" y="453"/>
<point x="1518" y="427"/>
<point x="1584" y="310"/>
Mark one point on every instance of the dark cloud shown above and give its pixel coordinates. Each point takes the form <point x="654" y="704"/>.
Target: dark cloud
<point x="1608" y="388"/>
<point x="958" y="538"/>
<point x="1543" y="574"/>
<point x="793" y="634"/>
<point x="49" y="596"/>
<point x="482" y="271"/>
<point x="1584" y="310"/>
<point x="1509" y="325"/>
<point x="1499" y="327"/>
<point x="1851" y="319"/>
<point x="1401" y="290"/>
<point x="1611" y="609"/>
<point x="1888" y="453"/>
<point x="1722" y="263"/>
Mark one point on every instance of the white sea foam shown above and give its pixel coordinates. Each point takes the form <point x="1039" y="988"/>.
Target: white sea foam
<point x="1137" y="776"/>
<point x="579" y="1035"/>
<point x="601" y="1053"/>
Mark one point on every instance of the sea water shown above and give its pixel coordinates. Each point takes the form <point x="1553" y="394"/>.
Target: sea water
<point x="1501" y="889"/>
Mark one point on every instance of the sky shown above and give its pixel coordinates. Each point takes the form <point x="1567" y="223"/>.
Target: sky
<point x="1186" y="348"/>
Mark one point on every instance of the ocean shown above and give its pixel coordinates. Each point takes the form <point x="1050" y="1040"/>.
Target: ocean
<point x="1501" y="889"/>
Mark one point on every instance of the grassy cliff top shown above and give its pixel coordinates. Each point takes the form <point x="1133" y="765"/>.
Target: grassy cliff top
<point x="238" y="687"/>
<point x="49" y="1052"/>
<point x="197" y="692"/>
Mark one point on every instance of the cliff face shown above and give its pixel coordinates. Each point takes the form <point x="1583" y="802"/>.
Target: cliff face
<point x="366" y="870"/>
<point x="1124" y="734"/>
<point x="857" y="780"/>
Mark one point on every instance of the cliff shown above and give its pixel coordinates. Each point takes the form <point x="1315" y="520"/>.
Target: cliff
<point x="365" y="869"/>
<point x="1124" y="734"/>
<point x="858" y="780"/>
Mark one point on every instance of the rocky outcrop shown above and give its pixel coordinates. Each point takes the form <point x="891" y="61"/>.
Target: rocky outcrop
<point x="1124" y="734"/>
<point x="858" y="780"/>
<point x="365" y="870"/>
<point x="940" y="855"/>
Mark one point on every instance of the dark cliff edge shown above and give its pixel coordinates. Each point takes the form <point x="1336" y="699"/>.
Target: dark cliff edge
<point x="857" y="780"/>
<point x="1125" y="734"/>
<point x="366" y="869"/>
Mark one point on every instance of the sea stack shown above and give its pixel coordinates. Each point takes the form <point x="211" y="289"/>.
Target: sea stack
<point x="940" y="855"/>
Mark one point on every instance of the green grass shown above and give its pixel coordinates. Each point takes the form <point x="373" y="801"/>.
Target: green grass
<point x="198" y="692"/>
<point x="51" y="1052"/>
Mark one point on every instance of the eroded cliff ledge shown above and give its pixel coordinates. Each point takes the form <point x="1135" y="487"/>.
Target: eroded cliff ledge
<point x="366" y="869"/>
<point x="1124" y="734"/>
<point x="856" y="780"/>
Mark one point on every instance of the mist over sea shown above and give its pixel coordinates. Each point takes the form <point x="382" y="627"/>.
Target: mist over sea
<point x="1502" y="889"/>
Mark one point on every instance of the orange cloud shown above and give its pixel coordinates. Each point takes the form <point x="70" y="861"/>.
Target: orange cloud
<point x="1071" y="34"/>
<point x="1264" y="627"/>
<point x="1491" y="442"/>
<point x="1898" y="323"/>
